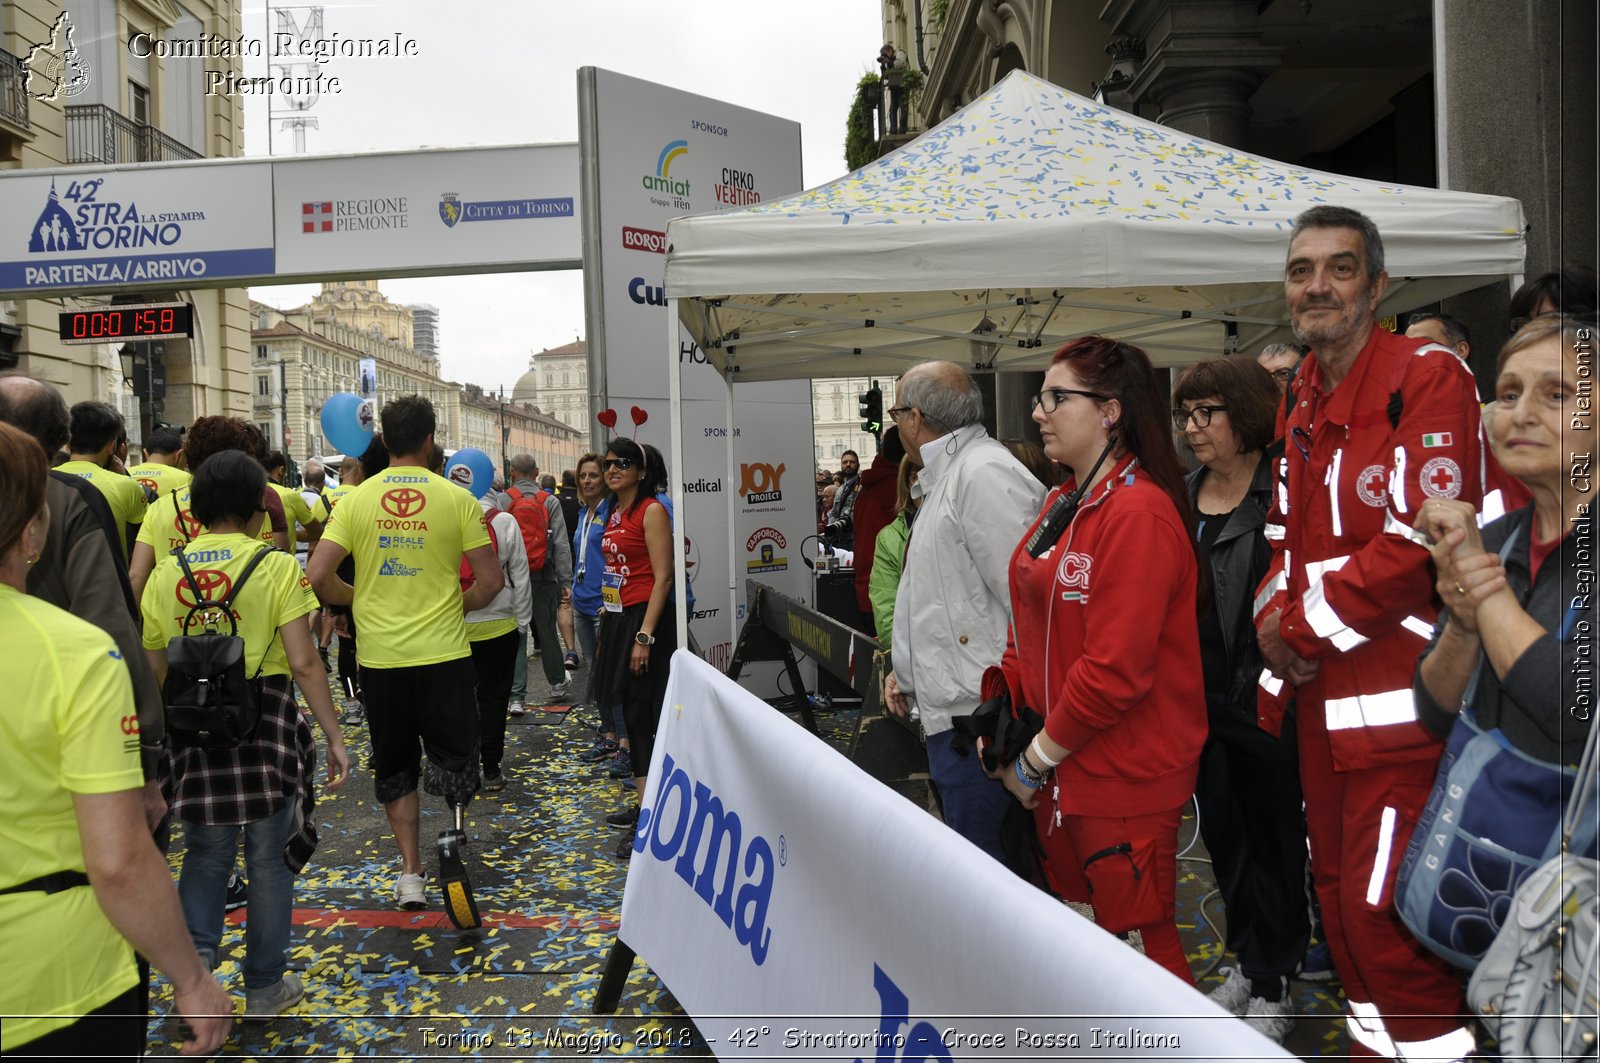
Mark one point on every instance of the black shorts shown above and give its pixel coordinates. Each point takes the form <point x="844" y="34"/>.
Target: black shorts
<point x="428" y="708"/>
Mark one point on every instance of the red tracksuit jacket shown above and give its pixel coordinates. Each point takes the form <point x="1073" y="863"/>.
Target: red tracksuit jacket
<point x="1105" y="645"/>
<point x="1353" y="581"/>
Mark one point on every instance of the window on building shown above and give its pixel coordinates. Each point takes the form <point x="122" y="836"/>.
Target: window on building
<point x="138" y="103"/>
<point x="261" y="352"/>
<point x="263" y="385"/>
<point x="838" y="448"/>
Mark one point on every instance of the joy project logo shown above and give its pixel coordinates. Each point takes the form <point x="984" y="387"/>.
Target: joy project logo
<point x="213" y="584"/>
<point x="403" y="502"/>
<point x="760" y="483"/>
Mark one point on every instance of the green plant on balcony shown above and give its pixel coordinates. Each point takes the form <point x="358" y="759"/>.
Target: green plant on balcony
<point x="860" y="146"/>
<point x="911" y="82"/>
<point x="936" y="14"/>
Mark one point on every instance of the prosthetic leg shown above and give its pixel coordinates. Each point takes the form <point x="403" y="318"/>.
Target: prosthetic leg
<point x="459" y="903"/>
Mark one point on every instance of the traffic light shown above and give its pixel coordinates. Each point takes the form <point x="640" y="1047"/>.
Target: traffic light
<point x="871" y="406"/>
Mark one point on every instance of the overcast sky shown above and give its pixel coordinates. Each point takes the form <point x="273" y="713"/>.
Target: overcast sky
<point x="497" y="72"/>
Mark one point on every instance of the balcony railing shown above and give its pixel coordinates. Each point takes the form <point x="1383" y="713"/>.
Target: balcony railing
<point x="13" y="100"/>
<point x="98" y="134"/>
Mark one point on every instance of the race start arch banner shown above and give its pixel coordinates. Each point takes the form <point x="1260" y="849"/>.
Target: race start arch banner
<point x="217" y="223"/>
<point x="799" y="909"/>
<point x="651" y="153"/>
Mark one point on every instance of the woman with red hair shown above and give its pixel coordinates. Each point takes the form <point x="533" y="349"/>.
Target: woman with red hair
<point x="1103" y="592"/>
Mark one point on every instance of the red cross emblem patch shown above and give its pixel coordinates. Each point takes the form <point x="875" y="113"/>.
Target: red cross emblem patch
<point x="1441" y="478"/>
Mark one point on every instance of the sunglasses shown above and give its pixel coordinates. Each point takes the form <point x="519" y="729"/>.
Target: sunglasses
<point x="620" y="464"/>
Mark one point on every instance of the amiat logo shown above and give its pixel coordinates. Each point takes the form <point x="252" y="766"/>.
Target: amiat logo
<point x="666" y="190"/>
<point x="702" y="831"/>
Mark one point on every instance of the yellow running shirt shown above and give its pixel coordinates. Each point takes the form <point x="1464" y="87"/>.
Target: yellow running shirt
<point x="336" y="493"/>
<point x="162" y="479"/>
<point x="407" y="530"/>
<point x="69" y="727"/>
<point x="295" y="510"/>
<point x="125" y="497"/>
<point x="276" y="593"/>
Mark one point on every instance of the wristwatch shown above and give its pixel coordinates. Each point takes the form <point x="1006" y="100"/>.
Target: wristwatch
<point x="644" y="638"/>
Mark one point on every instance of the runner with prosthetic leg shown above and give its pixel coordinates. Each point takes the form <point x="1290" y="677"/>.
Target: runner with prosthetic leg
<point x="408" y="529"/>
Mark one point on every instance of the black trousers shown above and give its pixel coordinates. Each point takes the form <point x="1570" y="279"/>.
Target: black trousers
<point x="494" y="660"/>
<point x="115" y="1030"/>
<point x="1253" y="823"/>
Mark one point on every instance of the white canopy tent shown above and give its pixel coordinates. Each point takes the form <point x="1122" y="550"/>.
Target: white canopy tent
<point x="1052" y="216"/>
<point x="1030" y="217"/>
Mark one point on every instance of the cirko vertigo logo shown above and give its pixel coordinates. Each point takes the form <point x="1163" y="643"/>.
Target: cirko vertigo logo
<point x="686" y="826"/>
<point x="737" y="188"/>
<point x="213" y="584"/>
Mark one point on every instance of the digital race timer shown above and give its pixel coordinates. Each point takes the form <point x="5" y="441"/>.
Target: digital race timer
<point x="145" y="321"/>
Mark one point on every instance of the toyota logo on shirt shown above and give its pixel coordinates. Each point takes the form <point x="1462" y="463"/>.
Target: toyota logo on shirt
<point x="187" y="524"/>
<point x="403" y="502"/>
<point x="214" y="586"/>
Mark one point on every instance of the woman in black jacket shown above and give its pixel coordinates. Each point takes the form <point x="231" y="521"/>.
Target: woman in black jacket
<point x="1249" y="786"/>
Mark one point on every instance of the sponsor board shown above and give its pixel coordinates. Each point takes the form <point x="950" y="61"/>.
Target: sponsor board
<point x="644" y="240"/>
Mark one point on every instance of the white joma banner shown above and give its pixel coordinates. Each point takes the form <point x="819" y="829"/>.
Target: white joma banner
<point x="799" y="909"/>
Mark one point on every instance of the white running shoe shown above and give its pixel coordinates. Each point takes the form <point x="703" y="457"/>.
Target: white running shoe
<point x="1233" y="995"/>
<point x="409" y="892"/>
<point x="515" y="709"/>
<point x="1272" y="1019"/>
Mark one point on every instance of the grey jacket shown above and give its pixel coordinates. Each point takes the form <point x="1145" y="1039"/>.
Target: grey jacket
<point x="558" y="549"/>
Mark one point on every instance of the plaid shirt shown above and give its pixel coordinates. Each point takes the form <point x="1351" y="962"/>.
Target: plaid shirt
<point x="252" y="782"/>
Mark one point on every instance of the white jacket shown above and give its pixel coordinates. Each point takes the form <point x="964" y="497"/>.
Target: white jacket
<point x="953" y="607"/>
<point x="516" y="597"/>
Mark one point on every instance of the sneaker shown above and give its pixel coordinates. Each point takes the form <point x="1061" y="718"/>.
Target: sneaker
<point x="409" y="892"/>
<point x="353" y="712"/>
<point x="621" y="765"/>
<point x="493" y="781"/>
<point x="624" y="847"/>
<point x="624" y="818"/>
<point x="558" y="690"/>
<point x="1233" y="995"/>
<point x="267" y="1003"/>
<point x="604" y="749"/>
<point x="571" y="662"/>
<point x="238" y="892"/>
<point x="1318" y="964"/>
<point x="1271" y="1019"/>
<point x="515" y="709"/>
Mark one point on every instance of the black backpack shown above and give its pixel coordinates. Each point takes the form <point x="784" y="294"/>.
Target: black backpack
<point x="210" y="702"/>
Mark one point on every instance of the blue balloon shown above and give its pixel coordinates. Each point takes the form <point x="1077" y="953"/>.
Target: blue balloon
<point x="471" y="468"/>
<point x="347" y="423"/>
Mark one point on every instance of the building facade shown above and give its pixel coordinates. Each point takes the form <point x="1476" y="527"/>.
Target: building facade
<point x="557" y="381"/>
<point x="121" y="103"/>
<point x="425" y="328"/>
<point x="836" y="413"/>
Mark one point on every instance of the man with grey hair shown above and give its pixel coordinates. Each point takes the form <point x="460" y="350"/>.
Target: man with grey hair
<point x="1377" y="426"/>
<point x="552" y="584"/>
<point x="953" y="607"/>
<point x="1436" y="326"/>
<point x="1281" y="360"/>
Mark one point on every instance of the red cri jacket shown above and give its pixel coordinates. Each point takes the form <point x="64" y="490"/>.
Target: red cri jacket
<point x="874" y="510"/>
<point x="1354" y="582"/>
<point x="1111" y="649"/>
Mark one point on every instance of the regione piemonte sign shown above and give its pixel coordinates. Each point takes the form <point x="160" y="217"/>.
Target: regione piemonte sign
<point x="650" y="154"/>
<point x="150" y="227"/>
<point x="429" y="212"/>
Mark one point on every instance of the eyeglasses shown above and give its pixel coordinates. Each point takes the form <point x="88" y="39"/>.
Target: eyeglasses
<point x="1048" y="399"/>
<point x="620" y="464"/>
<point x="1284" y="375"/>
<point x="1200" y="414"/>
<point x="895" y="412"/>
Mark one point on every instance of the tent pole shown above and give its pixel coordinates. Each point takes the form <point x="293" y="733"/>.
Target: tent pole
<point x="680" y="577"/>
<point x="733" y="528"/>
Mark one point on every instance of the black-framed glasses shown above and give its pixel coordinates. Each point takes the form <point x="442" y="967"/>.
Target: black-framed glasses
<point x="895" y="412"/>
<point x="620" y="464"/>
<point x="1200" y="414"/>
<point x="1048" y="399"/>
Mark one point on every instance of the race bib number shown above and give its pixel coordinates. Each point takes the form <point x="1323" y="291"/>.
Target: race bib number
<point x="611" y="592"/>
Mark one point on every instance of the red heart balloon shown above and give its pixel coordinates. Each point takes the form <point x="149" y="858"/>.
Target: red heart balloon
<point x="607" y="418"/>
<point x="639" y="416"/>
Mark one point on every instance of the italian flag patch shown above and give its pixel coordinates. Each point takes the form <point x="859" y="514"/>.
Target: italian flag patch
<point x="1436" y="439"/>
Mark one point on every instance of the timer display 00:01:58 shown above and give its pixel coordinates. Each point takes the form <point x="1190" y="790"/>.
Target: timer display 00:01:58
<point x="110" y="323"/>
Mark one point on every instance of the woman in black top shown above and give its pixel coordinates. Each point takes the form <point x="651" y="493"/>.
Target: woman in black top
<point x="1249" y="786"/>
